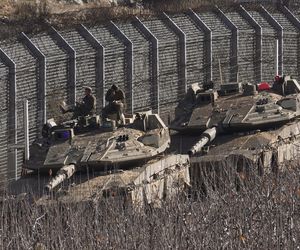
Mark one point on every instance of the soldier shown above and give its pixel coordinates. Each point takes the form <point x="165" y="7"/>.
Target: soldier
<point x="83" y="108"/>
<point x="116" y="102"/>
<point x="278" y="84"/>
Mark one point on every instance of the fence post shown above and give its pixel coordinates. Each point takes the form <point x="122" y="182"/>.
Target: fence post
<point x="208" y="38"/>
<point x="42" y="76"/>
<point x="290" y="16"/>
<point x="72" y="62"/>
<point x="155" y="61"/>
<point x="295" y="21"/>
<point x="100" y="63"/>
<point x="258" y="32"/>
<point x="279" y="31"/>
<point x="182" y="45"/>
<point x="234" y="43"/>
<point x="12" y="113"/>
<point x="129" y="59"/>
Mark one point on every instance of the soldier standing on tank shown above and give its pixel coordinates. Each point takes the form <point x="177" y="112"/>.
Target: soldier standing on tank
<point x="116" y="102"/>
<point x="83" y="108"/>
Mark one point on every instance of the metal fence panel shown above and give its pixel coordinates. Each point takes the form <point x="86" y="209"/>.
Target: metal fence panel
<point x="168" y="64"/>
<point x="57" y="73"/>
<point x="290" y="45"/>
<point x="27" y="88"/>
<point x="195" y="43"/>
<point x="246" y="53"/>
<point x="221" y="46"/>
<point x="85" y="62"/>
<point x="268" y="47"/>
<point x="141" y="66"/>
<point x="4" y="102"/>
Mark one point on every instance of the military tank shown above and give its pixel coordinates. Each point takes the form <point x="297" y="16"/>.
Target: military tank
<point x="126" y="160"/>
<point x="240" y="127"/>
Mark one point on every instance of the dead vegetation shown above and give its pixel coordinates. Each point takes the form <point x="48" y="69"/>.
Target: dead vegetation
<point x="36" y="16"/>
<point x="264" y="214"/>
<point x="32" y="16"/>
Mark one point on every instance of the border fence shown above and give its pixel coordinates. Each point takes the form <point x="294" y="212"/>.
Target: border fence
<point x="153" y="59"/>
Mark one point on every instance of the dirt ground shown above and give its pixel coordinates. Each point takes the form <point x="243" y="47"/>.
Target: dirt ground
<point x="33" y="16"/>
<point x="10" y="8"/>
<point x="13" y="10"/>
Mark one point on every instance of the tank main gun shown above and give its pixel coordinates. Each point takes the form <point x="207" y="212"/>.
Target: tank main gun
<point x="64" y="173"/>
<point x="207" y="136"/>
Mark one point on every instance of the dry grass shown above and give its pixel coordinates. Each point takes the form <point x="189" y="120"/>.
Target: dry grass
<point x="33" y="16"/>
<point x="263" y="215"/>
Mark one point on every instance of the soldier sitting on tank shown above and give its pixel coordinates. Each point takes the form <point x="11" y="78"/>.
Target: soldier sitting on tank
<point x="116" y="103"/>
<point x="278" y="84"/>
<point x="83" y="108"/>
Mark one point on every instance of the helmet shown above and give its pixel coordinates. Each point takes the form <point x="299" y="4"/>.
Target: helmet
<point x="88" y="88"/>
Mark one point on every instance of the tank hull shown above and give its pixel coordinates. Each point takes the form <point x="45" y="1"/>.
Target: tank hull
<point x="151" y="183"/>
<point x="233" y="158"/>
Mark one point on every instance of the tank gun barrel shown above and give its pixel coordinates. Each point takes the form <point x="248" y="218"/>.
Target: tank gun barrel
<point x="207" y="136"/>
<point x="64" y="173"/>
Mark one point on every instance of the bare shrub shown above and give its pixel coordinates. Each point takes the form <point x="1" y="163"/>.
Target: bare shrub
<point x="264" y="214"/>
<point x="31" y="10"/>
<point x="97" y="15"/>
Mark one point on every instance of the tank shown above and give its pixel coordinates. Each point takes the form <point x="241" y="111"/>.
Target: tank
<point x="110" y="160"/>
<point x="240" y="127"/>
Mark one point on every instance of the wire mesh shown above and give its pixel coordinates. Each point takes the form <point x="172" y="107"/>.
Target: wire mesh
<point x="195" y="47"/>
<point x="269" y="39"/>
<point x="57" y="88"/>
<point x="142" y="60"/>
<point x="221" y="47"/>
<point x="85" y="62"/>
<point x="27" y="88"/>
<point x="290" y="45"/>
<point x="169" y="82"/>
<point x="246" y="47"/>
<point x="4" y="101"/>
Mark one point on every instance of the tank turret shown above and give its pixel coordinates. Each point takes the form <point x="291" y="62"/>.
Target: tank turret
<point x="233" y="111"/>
